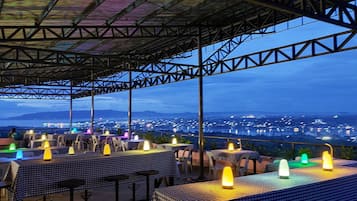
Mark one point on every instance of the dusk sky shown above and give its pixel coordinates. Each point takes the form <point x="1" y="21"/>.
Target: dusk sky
<point x="324" y="84"/>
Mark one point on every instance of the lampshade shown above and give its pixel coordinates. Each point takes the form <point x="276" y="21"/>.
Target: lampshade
<point x="230" y="146"/>
<point x="46" y="144"/>
<point x="31" y="131"/>
<point x="19" y="155"/>
<point x="106" y="132"/>
<point x="146" y="146"/>
<point x="304" y="159"/>
<point x="327" y="161"/>
<point x="136" y="137"/>
<point x="174" y="140"/>
<point x="284" y="171"/>
<point x="12" y="147"/>
<point x="71" y="150"/>
<point x="106" y="151"/>
<point x="43" y="137"/>
<point x="239" y="144"/>
<point x="47" y="154"/>
<point x="74" y="130"/>
<point x="227" y="178"/>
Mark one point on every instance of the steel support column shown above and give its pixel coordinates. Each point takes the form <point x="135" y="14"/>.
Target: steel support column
<point x="200" y="105"/>
<point x="130" y="103"/>
<point x="92" y="106"/>
<point x="71" y="108"/>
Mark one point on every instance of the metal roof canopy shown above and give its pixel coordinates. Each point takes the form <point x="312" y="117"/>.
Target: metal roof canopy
<point x="57" y="49"/>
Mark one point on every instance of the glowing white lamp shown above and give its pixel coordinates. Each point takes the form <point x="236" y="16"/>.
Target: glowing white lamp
<point x="230" y="146"/>
<point x="47" y="154"/>
<point x="43" y="137"/>
<point x="31" y="131"/>
<point x="174" y="140"/>
<point x="71" y="150"/>
<point x="19" y="155"/>
<point x="106" y="132"/>
<point x="227" y="178"/>
<point x="136" y="137"/>
<point x="106" y="151"/>
<point x="284" y="171"/>
<point x="240" y="144"/>
<point x="146" y="146"/>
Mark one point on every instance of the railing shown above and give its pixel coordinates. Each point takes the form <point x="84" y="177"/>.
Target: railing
<point x="278" y="148"/>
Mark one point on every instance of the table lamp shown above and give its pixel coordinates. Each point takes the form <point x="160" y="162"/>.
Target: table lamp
<point x="136" y="137"/>
<point x="230" y="146"/>
<point x="19" y="155"/>
<point x="227" y="178"/>
<point x="174" y="140"/>
<point x="43" y="137"/>
<point x="327" y="158"/>
<point x="12" y="147"/>
<point x="304" y="159"/>
<point x="106" y="151"/>
<point x="284" y="171"/>
<point x="46" y="144"/>
<point x="47" y="154"/>
<point x="146" y="146"/>
<point x="71" y="150"/>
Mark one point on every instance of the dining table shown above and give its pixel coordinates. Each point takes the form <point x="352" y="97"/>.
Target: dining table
<point x="311" y="183"/>
<point x="234" y="156"/>
<point x="38" y="177"/>
<point x="175" y="147"/>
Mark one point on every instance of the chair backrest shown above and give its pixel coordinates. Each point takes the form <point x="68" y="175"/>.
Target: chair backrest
<point x="94" y="139"/>
<point x="243" y="163"/>
<point x="124" y="145"/>
<point x="60" y="141"/>
<point x="210" y="159"/>
<point x="78" y="138"/>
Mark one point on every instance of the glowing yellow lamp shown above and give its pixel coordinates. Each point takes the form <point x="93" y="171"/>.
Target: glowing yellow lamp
<point x="43" y="137"/>
<point x="71" y="150"/>
<point x="174" y="140"/>
<point x="106" y="133"/>
<point x="31" y="131"/>
<point x="230" y="146"/>
<point x="107" y="151"/>
<point x="46" y="144"/>
<point x="327" y="162"/>
<point x="12" y="147"/>
<point x="47" y="154"/>
<point x="304" y="159"/>
<point x="227" y="178"/>
<point x="284" y="171"/>
<point x="146" y="146"/>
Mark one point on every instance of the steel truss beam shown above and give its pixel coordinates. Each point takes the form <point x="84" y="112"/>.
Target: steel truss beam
<point x="323" y="10"/>
<point x="40" y="33"/>
<point x="311" y="48"/>
<point x="34" y="93"/>
<point x="61" y="58"/>
<point x="267" y="18"/>
<point x="8" y="80"/>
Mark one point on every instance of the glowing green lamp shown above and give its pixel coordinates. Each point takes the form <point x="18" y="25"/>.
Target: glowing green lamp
<point x="12" y="147"/>
<point x="304" y="159"/>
